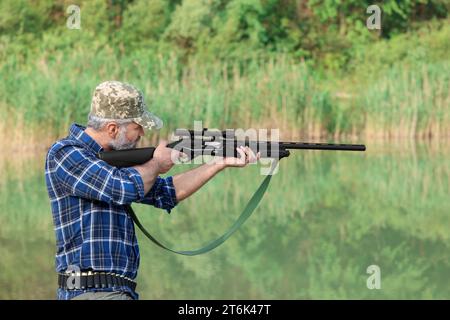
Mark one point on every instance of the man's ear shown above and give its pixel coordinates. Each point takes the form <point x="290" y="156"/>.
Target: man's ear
<point x="112" y="129"/>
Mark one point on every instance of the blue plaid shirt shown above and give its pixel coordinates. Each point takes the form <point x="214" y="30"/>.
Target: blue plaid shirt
<point x="88" y="198"/>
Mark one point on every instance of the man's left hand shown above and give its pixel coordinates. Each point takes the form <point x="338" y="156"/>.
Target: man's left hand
<point x="246" y="156"/>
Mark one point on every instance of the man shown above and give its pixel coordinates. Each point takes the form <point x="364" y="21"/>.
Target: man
<point x="88" y="197"/>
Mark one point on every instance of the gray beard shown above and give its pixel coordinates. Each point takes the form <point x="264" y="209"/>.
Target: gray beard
<point x="121" y="142"/>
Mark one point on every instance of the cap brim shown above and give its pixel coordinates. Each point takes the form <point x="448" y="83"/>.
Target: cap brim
<point x="149" y="121"/>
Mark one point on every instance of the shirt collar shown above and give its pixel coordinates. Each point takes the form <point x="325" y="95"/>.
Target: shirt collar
<point x="76" y="132"/>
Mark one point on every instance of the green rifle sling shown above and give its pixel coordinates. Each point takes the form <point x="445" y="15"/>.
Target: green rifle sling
<point x="246" y="213"/>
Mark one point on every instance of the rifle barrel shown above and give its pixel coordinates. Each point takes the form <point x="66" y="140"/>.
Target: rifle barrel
<point x="323" y="146"/>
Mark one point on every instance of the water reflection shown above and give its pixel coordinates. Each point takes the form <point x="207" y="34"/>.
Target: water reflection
<point x="325" y="219"/>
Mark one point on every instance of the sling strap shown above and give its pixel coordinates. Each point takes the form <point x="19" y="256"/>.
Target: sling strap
<point x="246" y="213"/>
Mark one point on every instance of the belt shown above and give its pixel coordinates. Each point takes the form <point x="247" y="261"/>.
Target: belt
<point x="92" y="279"/>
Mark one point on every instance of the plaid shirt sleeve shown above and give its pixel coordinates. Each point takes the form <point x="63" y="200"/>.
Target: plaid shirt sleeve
<point x="162" y="194"/>
<point x="82" y="174"/>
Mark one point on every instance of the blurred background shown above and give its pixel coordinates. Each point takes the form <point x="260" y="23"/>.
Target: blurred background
<point x="310" y="68"/>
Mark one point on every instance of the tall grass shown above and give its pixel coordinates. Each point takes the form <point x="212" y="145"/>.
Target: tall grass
<point x="50" y="92"/>
<point x="409" y="102"/>
<point x="277" y="93"/>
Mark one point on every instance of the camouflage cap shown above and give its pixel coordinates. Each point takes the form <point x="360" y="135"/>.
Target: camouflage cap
<point x="119" y="100"/>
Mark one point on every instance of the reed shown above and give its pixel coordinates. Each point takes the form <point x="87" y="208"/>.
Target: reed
<point x="406" y="101"/>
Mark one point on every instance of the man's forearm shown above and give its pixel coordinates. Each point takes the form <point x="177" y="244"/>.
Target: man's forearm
<point x="149" y="172"/>
<point x="188" y="182"/>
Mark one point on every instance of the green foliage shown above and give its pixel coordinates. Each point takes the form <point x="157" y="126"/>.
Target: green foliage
<point x="144" y="22"/>
<point x="323" y="30"/>
<point x="190" y="24"/>
<point x="259" y="92"/>
<point x="429" y="42"/>
<point x="233" y="62"/>
<point x="23" y="16"/>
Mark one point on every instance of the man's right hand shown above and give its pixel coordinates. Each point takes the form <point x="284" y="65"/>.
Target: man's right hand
<point x="159" y="164"/>
<point x="163" y="156"/>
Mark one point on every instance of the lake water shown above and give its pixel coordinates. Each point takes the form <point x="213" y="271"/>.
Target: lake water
<point x="327" y="217"/>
